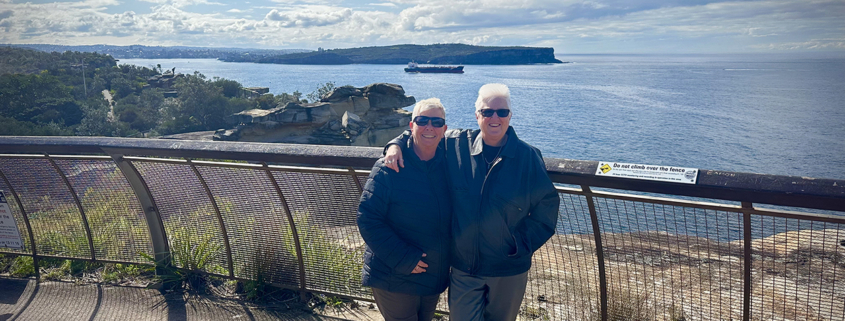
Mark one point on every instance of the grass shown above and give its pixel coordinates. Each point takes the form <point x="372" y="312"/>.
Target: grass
<point x="194" y="255"/>
<point x="197" y="250"/>
<point x="324" y="257"/>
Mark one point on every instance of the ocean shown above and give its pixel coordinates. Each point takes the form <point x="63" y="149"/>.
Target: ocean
<point x="760" y="113"/>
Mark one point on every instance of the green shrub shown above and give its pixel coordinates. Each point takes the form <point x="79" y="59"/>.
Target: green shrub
<point x="22" y="267"/>
<point x="321" y="254"/>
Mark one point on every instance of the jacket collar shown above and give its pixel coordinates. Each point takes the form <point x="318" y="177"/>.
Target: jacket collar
<point x="410" y="155"/>
<point x="508" y="150"/>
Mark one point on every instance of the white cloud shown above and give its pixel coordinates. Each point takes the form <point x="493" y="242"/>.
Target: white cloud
<point x="383" y="4"/>
<point x="571" y="25"/>
<point x="309" y="18"/>
<point x="815" y="44"/>
<point x="184" y="3"/>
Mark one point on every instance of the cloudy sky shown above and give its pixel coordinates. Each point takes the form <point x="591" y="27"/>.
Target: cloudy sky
<point x="570" y="26"/>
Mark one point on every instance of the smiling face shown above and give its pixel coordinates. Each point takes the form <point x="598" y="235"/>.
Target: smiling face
<point x="427" y="136"/>
<point x="494" y="128"/>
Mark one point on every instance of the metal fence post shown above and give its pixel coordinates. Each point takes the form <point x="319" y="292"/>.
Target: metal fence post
<point x="294" y="232"/>
<point x="151" y="212"/>
<point x="28" y="226"/>
<point x="219" y="218"/>
<point x="355" y="178"/>
<point x="746" y="236"/>
<point x="78" y="206"/>
<point x="594" y="217"/>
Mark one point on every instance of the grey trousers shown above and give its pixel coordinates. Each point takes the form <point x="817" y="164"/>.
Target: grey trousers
<point x="405" y="307"/>
<point x="478" y="298"/>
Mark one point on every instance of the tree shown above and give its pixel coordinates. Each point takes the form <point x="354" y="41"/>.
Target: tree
<point x="201" y="106"/>
<point x="230" y="88"/>
<point x="322" y="91"/>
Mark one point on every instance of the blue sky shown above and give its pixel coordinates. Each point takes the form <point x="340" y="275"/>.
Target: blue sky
<point x="570" y="26"/>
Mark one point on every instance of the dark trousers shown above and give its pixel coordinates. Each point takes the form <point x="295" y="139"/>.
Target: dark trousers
<point x="479" y="298"/>
<point x="405" y="307"/>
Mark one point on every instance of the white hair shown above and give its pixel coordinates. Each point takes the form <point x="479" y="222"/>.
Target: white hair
<point x="426" y="104"/>
<point x="489" y="92"/>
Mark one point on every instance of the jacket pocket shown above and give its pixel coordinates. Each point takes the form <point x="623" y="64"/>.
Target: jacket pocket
<point x="512" y="214"/>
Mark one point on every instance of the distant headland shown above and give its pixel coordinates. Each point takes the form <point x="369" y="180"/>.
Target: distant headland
<point x="440" y="54"/>
<point x="401" y="54"/>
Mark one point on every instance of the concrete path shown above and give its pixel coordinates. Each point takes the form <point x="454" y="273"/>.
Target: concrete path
<point x="24" y="299"/>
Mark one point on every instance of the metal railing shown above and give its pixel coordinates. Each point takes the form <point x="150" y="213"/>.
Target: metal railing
<point x="708" y="251"/>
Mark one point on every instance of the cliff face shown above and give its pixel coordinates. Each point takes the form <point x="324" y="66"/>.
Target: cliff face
<point x="502" y="57"/>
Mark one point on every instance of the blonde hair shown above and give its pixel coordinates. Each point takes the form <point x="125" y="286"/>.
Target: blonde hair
<point x="426" y="104"/>
<point x="490" y="91"/>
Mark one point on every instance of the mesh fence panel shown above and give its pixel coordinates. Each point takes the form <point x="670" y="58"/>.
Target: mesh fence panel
<point x="259" y="232"/>
<point x="53" y="214"/>
<point x="118" y="228"/>
<point x="190" y="221"/>
<point x="563" y="280"/>
<point x="325" y="209"/>
<point x="11" y="201"/>
<point x="798" y="269"/>
<point x="671" y="262"/>
<point x="664" y="260"/>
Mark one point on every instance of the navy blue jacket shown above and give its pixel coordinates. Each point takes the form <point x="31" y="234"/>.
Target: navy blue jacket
<point x="501" y="216"/>
<point x="401" y="216"/>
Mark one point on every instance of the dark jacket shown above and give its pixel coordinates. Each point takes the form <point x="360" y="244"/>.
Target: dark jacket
<point x="401" y="216"/>
<point x="502" y="216"/>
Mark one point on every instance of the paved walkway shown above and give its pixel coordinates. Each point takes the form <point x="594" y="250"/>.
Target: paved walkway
<point x="24" y="299"/>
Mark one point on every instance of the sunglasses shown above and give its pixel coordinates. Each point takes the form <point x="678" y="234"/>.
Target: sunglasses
<point x="489" y="112"/>
<point x="436" y="122"/>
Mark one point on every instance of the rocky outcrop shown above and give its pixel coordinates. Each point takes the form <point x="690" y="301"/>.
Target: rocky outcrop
<point x="367" y="116"/>
<point x="165" y="80"/>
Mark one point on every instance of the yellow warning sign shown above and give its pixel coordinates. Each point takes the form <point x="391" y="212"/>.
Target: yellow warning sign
<point x="604" y="169"/>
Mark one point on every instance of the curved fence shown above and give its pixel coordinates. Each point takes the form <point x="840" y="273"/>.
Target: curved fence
<point x="723" y="248"/>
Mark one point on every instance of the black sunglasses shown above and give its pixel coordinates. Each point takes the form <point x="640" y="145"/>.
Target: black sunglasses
<point x="436" y="122"/>
<point x="489" y="112"/>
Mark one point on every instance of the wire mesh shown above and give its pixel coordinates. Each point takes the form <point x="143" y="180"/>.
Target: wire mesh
<point x="259" y="232"/>
<point x="118" y="229"/>
<point x="16" y="213"/>
<point x="671" y="262"/>
<point x="190" y="222"/>
<point x="798" y="270"/>
<point x="53" y="214"/>
<point x="325" y="209"/>
<point x="563" y="282"/>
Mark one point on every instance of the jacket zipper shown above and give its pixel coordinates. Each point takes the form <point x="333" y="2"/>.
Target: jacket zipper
<point x="431" y="183"/>
<point x="474" y="268"/>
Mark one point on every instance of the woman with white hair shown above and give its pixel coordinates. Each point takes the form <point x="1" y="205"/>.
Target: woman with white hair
<point x="504" y="207"/>
<point x="405" y="220"/>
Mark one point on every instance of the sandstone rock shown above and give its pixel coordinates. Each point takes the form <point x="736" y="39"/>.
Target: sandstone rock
<point x="258" y="90"/>
<point x="362" y="139"/>
<point x="342" y="93"/>
<point x="226" y="135"/>
<point x="361" y="105"/>
<point x="380" y="137"/>
<point x="335" y="125"/>
<point x="385" y="88"/>
<point x="383" y="119"/>
<point x="342" y="106"/>
<point x="352" y="121"/>
<point x="368" y="116"/>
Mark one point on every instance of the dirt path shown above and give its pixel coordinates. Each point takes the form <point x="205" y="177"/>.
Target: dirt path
<point x="109" y="99"/>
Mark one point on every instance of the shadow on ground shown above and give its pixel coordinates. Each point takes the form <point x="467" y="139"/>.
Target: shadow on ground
<point x="25" y="299"/>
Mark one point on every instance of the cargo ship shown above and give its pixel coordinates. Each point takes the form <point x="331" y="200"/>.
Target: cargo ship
<point x="414" y="67"/>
